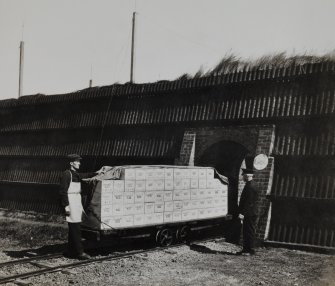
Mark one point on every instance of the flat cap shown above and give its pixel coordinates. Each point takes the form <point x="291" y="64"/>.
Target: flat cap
<point x="73" y="157"/>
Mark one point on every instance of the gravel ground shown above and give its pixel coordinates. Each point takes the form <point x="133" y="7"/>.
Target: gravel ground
<point x="209" y="263"/>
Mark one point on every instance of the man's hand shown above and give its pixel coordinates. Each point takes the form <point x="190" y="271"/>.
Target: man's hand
<point x="102" y="170"/>
<point x="241" y="216"/>
<point x="67" y="211"/>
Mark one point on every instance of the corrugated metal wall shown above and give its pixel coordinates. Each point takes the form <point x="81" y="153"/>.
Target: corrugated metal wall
<point x="144" y="124"/>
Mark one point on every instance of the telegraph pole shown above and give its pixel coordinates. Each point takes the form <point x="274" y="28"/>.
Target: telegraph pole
<point x="21" y="68"/>
<point x="132" y="50"/>
<point x="91" y="80"/>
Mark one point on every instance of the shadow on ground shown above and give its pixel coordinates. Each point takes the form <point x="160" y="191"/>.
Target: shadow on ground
<point x="204" y="249"/>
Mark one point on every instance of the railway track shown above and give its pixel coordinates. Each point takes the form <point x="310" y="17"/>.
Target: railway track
<point x="44" y="268"/>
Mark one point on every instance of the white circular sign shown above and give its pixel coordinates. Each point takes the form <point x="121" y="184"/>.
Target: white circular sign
<point x="261" y="161"/>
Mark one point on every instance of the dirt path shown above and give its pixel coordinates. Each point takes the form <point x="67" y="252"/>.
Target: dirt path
<point x="210" y="263"/>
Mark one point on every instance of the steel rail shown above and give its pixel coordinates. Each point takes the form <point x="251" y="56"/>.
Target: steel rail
<point x="51" y="269"/>
<point x="74" y="264"/>
<point x="29" y="259"/>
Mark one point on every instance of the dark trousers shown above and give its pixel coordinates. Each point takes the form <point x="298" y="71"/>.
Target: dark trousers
<point x="249" y="231"/>
<point x="75" y="246"/>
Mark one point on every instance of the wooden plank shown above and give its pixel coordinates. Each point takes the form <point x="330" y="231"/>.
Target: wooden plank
<point x="296" y="234"/>
<point x="325" y="238"/>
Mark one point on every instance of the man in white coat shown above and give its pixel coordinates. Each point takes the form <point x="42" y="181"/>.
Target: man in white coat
<point x="71" y="200"/>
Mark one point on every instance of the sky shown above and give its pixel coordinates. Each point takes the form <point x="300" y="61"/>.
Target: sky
<point x="69" y="42"/>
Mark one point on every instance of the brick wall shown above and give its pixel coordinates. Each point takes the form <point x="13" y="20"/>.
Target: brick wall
<point x="256" y="139"/>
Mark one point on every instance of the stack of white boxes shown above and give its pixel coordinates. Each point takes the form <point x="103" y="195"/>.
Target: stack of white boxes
<point x="157" y="195"/>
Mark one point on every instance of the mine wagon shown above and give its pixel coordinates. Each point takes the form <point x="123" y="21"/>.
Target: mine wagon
<point x="165" y="202"/>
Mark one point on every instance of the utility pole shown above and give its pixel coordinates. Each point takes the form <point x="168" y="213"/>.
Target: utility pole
<point x="21" y="68"/>
<point x="132" y="50"/>
<point x="91" y="80"/>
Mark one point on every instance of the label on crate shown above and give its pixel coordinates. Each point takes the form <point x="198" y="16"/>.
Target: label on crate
<point x="195" y="183"/>
<point x="158" y="218"/>
<point x="168" y="195"/>
<point x="159" y="173"/>
<point x="202" y="174"/>
<point x="194" y="204"/>
<point x="202" y="193"/>
<point x="149" y="219"/>
<point x="202" y="183"/>
<point x="187" y="205"/>
<point x="118" y="210"/>
<point x="160" y="185"/>
<point x="186" y="215"/>
<point x="209" y="193"/>
<point x="209" y="203"/>
<point x="176" y="216"/>
<point x="139" y="197"/>
<point x="168" y="174"/>
<point x="139" y="219"/>
<point x="150" y="185"/>
<point x="139" y="174"/>
<point x="149" y="208"/>
<point x="128" y="209"/>
<point x="106" y="199"/>
<point x="149" y="196"/>
<point x="217" y="193"/>
<point x="202" y="204"/>
<point x="118" y="197"/>
<point x="129" y="174"/>
<point x="159" y="196"/>
<point x="210" y="184"/>
<point x="177" y="195"/>
<point x="149" y="174"/>
<point x="168" y="185"/>
<point x="202" y="213"/>
<point x="127" y="221"/>
<point x="129" y="198"/>
<point x="178" y="173"/>
<point x="139" y="208"/>
<point x="209" y="213"/>
<point x="210" y="174"/>
<point x="194" y="214"/>
<point x="194" y="174"/>
<point x="159" y="207"/>
<point x="178" y="184"/>
<point x="186" y="195"/>
<point x="118" y="185"/>
<point x="168" y="206"/>
<point x="168" y="217"/>
<point x="194" y="194"/>
<point x="129" y="186"/>
<point x="177" y="205"/>
<point x="187" y="174"/>
<point x="107" y="186"/>
<point x="139" y="186"/>
<point x="186" y="183"/>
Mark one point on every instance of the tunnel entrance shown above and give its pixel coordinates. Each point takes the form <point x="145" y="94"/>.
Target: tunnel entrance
<point x="226" y="157"/>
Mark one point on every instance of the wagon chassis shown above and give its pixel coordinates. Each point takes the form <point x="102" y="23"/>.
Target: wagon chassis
<point x="164" y="234"/>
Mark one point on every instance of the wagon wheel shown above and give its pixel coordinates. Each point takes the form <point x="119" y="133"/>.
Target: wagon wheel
<point x="164" y="237"/>
<point x="183" y="233"/>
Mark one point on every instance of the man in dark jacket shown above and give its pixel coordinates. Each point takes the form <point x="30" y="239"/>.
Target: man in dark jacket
<point x="248" y="212"/>
<point x="71" y="200"/>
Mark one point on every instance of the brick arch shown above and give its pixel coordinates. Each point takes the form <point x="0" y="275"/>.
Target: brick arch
<point x="245" y="136"/>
